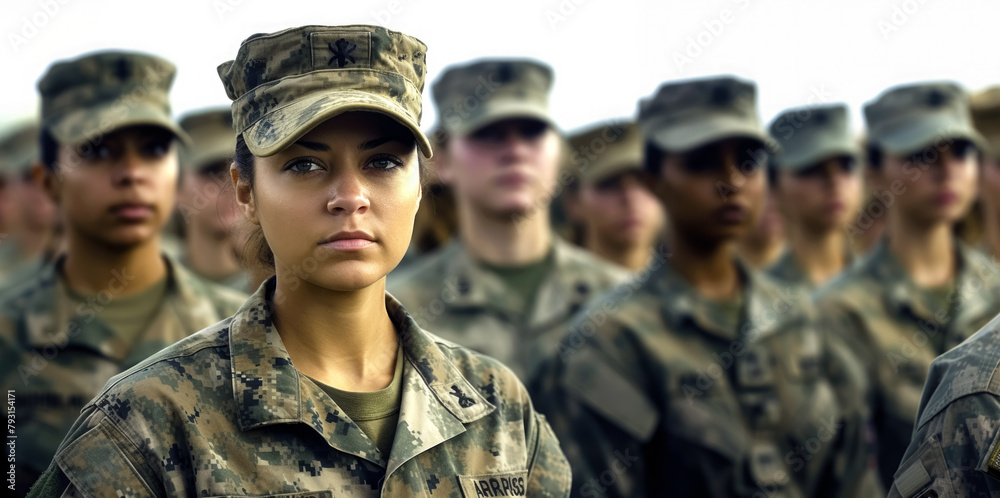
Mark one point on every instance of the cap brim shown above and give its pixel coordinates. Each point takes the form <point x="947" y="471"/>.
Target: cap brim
<point x="796" y="159"/>
<point x="692" y="134"/>
<point x="495" y="112"/>
<point x="920" y="134"/>
<point x="282" y="127"/>
<point x="89" y="123"/>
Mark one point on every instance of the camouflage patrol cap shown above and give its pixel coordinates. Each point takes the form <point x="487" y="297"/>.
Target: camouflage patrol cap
<point x="286" y="83"/>
<point x="986" y="117"/>
<point x="605" y="150"/>
<point x="907" y="118"/>
<point x="95" y="94"/>
<point x="689" y="114"/>
<point x="810" y="135"/>
<point x="19" y="149"/>
<point x="473" y="95"/>
<point x="212" y="137"/>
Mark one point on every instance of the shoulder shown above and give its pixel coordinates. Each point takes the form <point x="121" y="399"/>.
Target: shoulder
<point x="427" y="272"/>
<point x="225" y="300"/>
<point x="969" y="368"/>
<point x="581" y="262"/>
<point x="196" y="361"/>
<point x="482" y="370"/>
<point x="854" y="286"/>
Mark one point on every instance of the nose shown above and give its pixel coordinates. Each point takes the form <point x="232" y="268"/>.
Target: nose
<point x="128" y="169"/>
<point x="348" y="196"/>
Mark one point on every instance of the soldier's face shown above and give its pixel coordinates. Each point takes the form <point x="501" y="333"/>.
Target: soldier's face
<point x="207" y="201"/>
<point x="822" y="197"/>
<point x="9" y="205"/>
<point x="119" y="191"/>
<point x="714" y="193"/>
<point x="619" y="210"/>
<point x="934" y="185"/>
<point x="990" y="186"/>
<point x="505" y="169"/>
<point x="337" y="206"/>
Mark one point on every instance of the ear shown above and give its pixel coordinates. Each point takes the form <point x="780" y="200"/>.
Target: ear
<point x="47" y="180"/>
<point x="244" y="195"/>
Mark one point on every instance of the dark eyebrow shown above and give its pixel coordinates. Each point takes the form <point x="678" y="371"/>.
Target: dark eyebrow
<point x="313" y="145"/>
<point x="371" y="144"/>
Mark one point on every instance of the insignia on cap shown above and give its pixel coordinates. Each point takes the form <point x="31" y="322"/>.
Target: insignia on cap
<point x="505" y="73"/>
<point x="721" y="96"/>
<point x="821" y="118"/>
<point x="342" y="52"/>
<point x="936" y="98"/>
<point x="123" y="70"/>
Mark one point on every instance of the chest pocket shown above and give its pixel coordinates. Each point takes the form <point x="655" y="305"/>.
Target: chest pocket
<point x="494" y="485"/>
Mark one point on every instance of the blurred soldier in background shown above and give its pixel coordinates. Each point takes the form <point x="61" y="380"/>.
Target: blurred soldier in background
<point x="701" y="377"/>
<point x="615" y="215"/>
<point x="206" y="205"/>
<point x="867" y="225"/>
<point x="28" y="220"/>
<point x="507" y="287"/>
<point x="436" y="221"/>
<point x="816" y="181"/>
<point x="109" y="162"/>
<point x="765" y="242"/>
<point x="986" y="117"/>
<point x="920" y="292"/>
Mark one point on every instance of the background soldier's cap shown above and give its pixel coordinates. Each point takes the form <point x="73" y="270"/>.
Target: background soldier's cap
<point x="905" y="119"/>
<point x="605" y="150"/>
<point x="688" y="114"/>
<point x="19" y="149"/>
<point x="286" y="83"/>
<point x="474" y="95"/>
<point x="986" y="117"/>
<point x="212" y="137"/>
<point x="95" y="94"/>
<point x="809" y="135"/>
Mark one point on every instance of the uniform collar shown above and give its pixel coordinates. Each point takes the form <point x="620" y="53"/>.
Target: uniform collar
<point x="762" y="305"/>
<point x="973" y="272"/>
<point x="52" y="318"/>
<point x="437" y="399"/>
<point x="475" y="287"/>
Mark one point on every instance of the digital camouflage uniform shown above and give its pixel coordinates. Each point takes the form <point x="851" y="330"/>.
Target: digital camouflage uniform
<point x="451" y="293"/>
<point x="225" y="412"/>
<point x="807" y="136"/>
<point x="654" y="394"/>
<point x="18" y="151"/>
<point x="955" y="450"/>
<point x="56" y="358"/>
<point x="877" y="308"/>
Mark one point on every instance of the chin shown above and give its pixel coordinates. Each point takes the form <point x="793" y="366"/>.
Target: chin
<point x="347" y="276"/>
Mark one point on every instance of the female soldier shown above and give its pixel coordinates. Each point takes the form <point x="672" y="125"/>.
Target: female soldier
<point x="321" y="384"/>
<point x="920" y="292"/>
<point x="702" y="377"/>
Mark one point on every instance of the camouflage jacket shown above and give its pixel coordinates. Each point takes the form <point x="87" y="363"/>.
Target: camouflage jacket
<point x="56" y="358"/>
<point x="872" y="306"/>
<point x="450" y="293"/>
<point x="224" y="412"/>
<point x="955" y="450"/>
<point x="651" y="396"/>
<point x="787" y="271"/>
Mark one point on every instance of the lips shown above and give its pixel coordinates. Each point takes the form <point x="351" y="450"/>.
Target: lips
<point x="348" y="240"/>
<point x="133" y="211"/>
<point x="732" y="214"/>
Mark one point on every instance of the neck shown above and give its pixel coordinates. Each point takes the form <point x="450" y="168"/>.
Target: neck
<point x="926" y="252"/>
<point x="209" y="256"/>
<point x="709" y="267"/>
<point x="822" y="254"/>
<point x="342" y="339"/>
<point x="506" y="241"/>
<point x="634" y="257"/>
<point x="760" y="253"/>
<point x="92" y="268"/>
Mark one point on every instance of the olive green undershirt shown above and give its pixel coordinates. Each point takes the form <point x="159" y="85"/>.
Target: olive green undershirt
<point x="126" y="316"/>
<point x="376" y="412"/>
<point x="937" y="302"/>
<point x="525" y="280"/>
<point x="725" y="312"/>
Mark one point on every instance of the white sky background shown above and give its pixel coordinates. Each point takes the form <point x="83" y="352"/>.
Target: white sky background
<point x="606" y="53"/>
